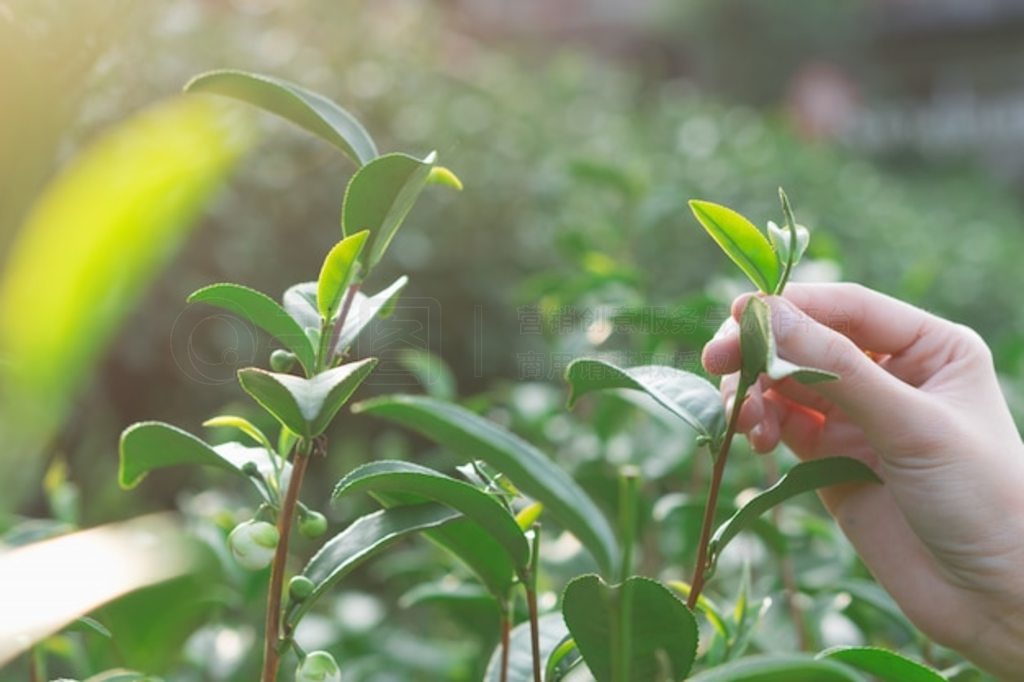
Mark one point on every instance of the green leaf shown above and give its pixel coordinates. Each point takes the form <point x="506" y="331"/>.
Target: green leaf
<point x="380" y="195"/>
<point x="154" y="445"/>
<point x="339" y="269"/>
<point x="691" y="398"/>
<point x="365" y="538"/>
<point x="121" y="675"/>
<point x="741" y="241"/>
<point x="779" y="668"/>
<point x="759" y="354"/>
<point x="883" y="664"/>
<point x="804" y="477"/>
<point x="242" y="424"/>
<point x="520" y="651"/>
<point x="431" y="371"/>
<point x="482" y="554"/>
<point x="305" y="406"/>
<point x="262" y="311"/>
<point x="405" y="478"/>
<point x="474" y="437"/>
<point x="439" y="175"/>
<point x="307" y="109"/>
<point x="638" y="630"/>
<point x="562" y="660"/>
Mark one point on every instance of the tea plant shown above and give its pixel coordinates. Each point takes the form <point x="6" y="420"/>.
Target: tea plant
<point x="614" y="623"/>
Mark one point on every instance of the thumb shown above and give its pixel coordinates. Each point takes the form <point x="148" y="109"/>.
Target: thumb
<point x="868" y="394"/>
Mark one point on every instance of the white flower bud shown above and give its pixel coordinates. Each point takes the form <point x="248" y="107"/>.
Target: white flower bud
<point x="253" y="543"/>
<point x="318" y="666"/>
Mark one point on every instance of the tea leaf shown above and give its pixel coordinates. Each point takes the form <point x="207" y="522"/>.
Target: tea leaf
<point x="780" y="668"/>
<point x="305" y="406"/>
<point x="262" y="311"/>
<point x="887" y="666"/>
<point x="741" y="241"/>
<point x="338" y="271"/>
<point x="242" y="424"/>
<point x="365" y="538"/>
<point x="803" y="477"/>
<point x="391" y="477"/>
<point x="638" y="630"/>
<point x="474" y="437"/>
<point x="520" y="651"/>
<point x="154" y="445"/>
<point x="380" y="196"/>
<point x="439" y="175"/>
<point x="307" y="109"/>
<point x="759" y="354"/>
<point x="690" y="397"/>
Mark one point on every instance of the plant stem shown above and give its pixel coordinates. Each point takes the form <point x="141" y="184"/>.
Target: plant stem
<point x="531" y="603"/>
<point x="327" y="353"/>
<point x="700" y="570"/>
<point x="285" y="520"/>
<point x="506" y="627"/>
<point x="629" y="478"/>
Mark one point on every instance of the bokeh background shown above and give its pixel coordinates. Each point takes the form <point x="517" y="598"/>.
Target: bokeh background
<point x="580" y="129"/>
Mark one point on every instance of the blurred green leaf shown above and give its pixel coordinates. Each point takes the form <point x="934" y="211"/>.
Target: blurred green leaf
<point x="338" y="271"/>
<point x="154" y="445"/>
<point x="741" y="241"/>
<point x="364" y="538"/>
<point x="121" y="675"/>
<point x="803" y="477"/>
<point x="380" y="196"/>
<point x="230" y="421"/>
<point x="520" y="651"/>
<point x="305" y="406"/>
<point x="431" y="371"/>
<point x="474" y="437"/>
<point x="780" y="668"/>
<point x="883" y="664"/>
<point x="262" y="311"/>
<point x="690" y="397"/>
<point x="307" y="109"/>
<point x="391" y="477"/>
<point x="637" y="630"/>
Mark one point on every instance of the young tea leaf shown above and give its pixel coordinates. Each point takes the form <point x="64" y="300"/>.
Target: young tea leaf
<point x="305" y="406"/>
<point x="638" y="630"/>
<point x="474" y="437"/>
<point x="338" y="271"/>
<point x="520" y="655"/>
<point x="309" y="110"/>
<point x="690" y="397"/>
<point x="741" y="241"/>
<point x="380" y="195"/>
<point x="262" y="311"/>
<point x="885" y="665"/>
<point x="391" y="477"/>
<point x="804" y="477"/>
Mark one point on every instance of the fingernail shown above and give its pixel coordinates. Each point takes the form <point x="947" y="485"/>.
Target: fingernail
<point x="756" y="433"/>
<point x="725" y="329"/>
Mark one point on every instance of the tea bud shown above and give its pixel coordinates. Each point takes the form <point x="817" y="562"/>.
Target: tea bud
<point x="313" y="524"/>
<point x="282" y="361"/>
<point x="253" y="543"/>
<point x="318" y="666"/>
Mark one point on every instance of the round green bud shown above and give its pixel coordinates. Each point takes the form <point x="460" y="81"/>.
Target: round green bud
<point x="318" y="666"/>
<point x="313" y="524"/>
<point x="250" y="469"/>
<point x="253" y="544"/>
<point x="282" y="361"/>
<point x="300" y="587"/>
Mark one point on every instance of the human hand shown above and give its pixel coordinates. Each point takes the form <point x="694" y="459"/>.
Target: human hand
<point x="917" y="400"/>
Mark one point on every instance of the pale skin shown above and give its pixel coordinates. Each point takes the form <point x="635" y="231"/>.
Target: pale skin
<point x="919" y="402"/>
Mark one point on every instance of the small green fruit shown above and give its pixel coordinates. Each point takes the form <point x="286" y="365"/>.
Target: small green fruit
<point x="300" y="587"/>
<point x="253" y="544"/>
<point x="282" y="361"/>
<point x="318" y="666"/>
<point x="313" y="524"/>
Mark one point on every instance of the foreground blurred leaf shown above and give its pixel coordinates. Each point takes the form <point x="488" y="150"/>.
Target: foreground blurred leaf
<point x="49" y="584"/>
<point x="474" y="437"/>
<point x="94" y="239"/>
<point x="307" y="109"/>
<point x="520" y="652"/>
<point x="741" y="241"/>
<point x="886" y="665"/>
<point x="803" y="477"/>
<point x="390" y="477"/>
<point x="121" y="675"/>
<point x="366" y="537"/>
<point x="691" y="398"/>
<point x="154" y="445"/>
<point x="262" y="311"/>
<point x="305" y="406"/>
<point x="780" y="668"/>
<point x="638" y="630"/>
<point x="380" y="196"/>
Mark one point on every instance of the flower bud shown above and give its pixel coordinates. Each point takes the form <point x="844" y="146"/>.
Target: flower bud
<point x="318" y="666"/>
<point x="282" y="361"/>
<point x="313" y="524"/>
<point x="300" y="587"/>
<point x="250" y="469"/>
<point x="253" y="543"/>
